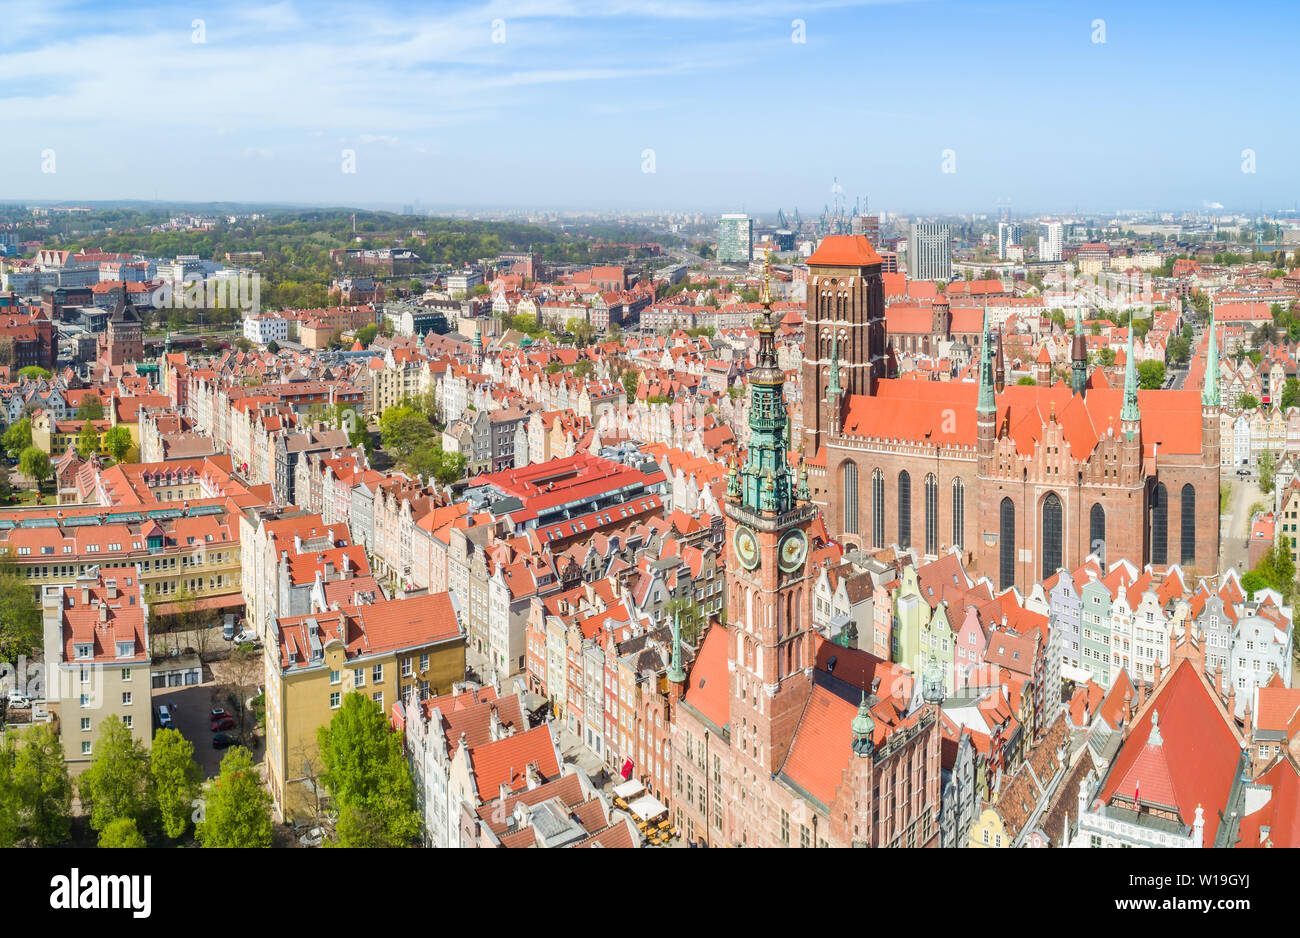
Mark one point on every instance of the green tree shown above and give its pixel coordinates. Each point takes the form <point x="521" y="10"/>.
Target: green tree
<point x="1247" y="402"/>
<point x="20" y="614"/>
<point x="1267" y="469"/>
<point x="1027" y="380"/>
<point x="176" y="779"/>
<point x="90" y="408"/>
<point x="87" y="440"/>
<point x="33" y="373"/>
<point x="243" y="344"/>
<point x="117" y="440"/>
<point x="1151" y="374"/>
<point x="18" y="437"/>
<point x="366" y="334"/>
<point x="273" y="346"/>
<point x="237" y="806"/>
<point x="121" y="832"/>
<point x="118" y="783"/>
<point x="10" y="822"/>
<point x="43" y="786"/>
<point x="631" y="380"/>
<point x="1290" y="394"/>
<point x="367" y="775"/>
<point x="35" y="464"/>
<point x="583" y="369"/>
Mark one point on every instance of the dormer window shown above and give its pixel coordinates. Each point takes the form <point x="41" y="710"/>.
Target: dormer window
<point x="83" y="650"/>
<point x="125" y="649"/>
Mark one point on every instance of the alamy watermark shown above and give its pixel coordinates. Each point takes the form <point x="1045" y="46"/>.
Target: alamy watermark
<point x="239" y="292"/>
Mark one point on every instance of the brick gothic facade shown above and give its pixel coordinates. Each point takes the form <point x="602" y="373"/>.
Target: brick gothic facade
<point x="1046" y="476"/>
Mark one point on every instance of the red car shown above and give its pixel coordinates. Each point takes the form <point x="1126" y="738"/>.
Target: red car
<point x="225" y="723"/>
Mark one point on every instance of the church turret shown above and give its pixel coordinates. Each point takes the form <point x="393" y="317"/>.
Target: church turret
<point x="676" y="673"/>
<point x="478" y="347"/>
<point x="834" y="395"/>
<point x="986" y="408"/>
<point x="1079" y="356"/>
<point x="863" y="727"/>
<point x="1130" y="415"/>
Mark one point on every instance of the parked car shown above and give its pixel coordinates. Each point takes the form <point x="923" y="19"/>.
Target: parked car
<point x="224" y="723"/>
<point x="246" y="636"/>
<point x="165" y="718"/>
<point x="228" y="626"/>
<point x="216" y="713"/>
<point x="19" y="701"/>
<point x="224" y="740"/>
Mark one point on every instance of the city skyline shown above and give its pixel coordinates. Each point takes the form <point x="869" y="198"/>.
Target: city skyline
<point x="569" y="104"/>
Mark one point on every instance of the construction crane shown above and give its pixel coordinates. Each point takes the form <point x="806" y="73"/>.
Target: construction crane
<point x="780" y="218"/>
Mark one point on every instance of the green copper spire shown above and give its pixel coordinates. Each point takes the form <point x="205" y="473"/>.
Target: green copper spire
<point x="862" y="727"/>
<point x="1130" y="410"/>
<point x="1210" y="393"/>
<point x="1079" y="355"/>
<point x="765" y="480"/>
<point x="986" y="404"/>
<point x="676" y="674"/>
<point x="833" y="386"/>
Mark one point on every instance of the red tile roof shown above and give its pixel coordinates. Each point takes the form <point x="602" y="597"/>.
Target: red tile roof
<point x="844" y="251"/>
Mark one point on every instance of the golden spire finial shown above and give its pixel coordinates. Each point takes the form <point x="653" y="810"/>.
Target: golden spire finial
<point x="766" y="297"/>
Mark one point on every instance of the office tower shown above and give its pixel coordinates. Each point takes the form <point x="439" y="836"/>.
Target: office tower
<point x="929" y="255"/>
<point x="1008" y="234"/>
<point x="1051" y="238"/>
<point x="735" y="239"/>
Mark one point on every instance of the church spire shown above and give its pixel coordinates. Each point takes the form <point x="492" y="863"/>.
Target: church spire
<point x="1210" y="392"/>
<point x="676" y="674"/>
<point x="1079" y="355"/>
<point x="1130" y="412"/>
<point x="833" y="385"/>
<point x="862" y="728"/>
<point x="986" y="404"/>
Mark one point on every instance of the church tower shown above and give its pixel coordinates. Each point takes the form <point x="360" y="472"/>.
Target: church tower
<point x="769" y="577"/>
<point x="125" y="334"/>
<point x="846" y="302"/>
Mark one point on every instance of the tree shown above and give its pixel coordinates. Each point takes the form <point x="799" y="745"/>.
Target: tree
<point x="1247" y="402"/>
<point x="90" y="408"/>
<point x="1026" y="380"/>
<point x="18" y="437"/>
<point x="117" y="440"/>
<point x="243" y="344"/>
<point x="20" y="614"/>
<point x="1290" y="394"/>
<point x="243" y="667"/>
<point x="35" y="464"/>
<point x="43" y="786"/>
<point x="10" y="822"/>
<point x="87" y="440"/>
<point x="1267" y="469"/>
<point x="273" y="346"/>
<point x="1277" y="570"/>
<point x="366" y="334"/>
<point x="118" y="783"/>
<point x="237" y="807"/>
<point x="631" y="380"/>
<point x="367" y="775"/>
<point x="1151" y="374"/>
<point x="121" y="833"/>
<point x="175" y="778"/>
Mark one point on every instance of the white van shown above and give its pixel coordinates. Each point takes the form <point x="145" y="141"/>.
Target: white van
<point x="228" y="626"/>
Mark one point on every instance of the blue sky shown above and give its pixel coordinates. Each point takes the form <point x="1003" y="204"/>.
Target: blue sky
<point x="738" y="115"/>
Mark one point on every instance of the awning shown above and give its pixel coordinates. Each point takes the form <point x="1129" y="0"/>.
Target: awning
<point x="626" y="790"/>
<point x="1078" y="675"/>
<point x="230" y="601"/>
<point x="648" y="808"/>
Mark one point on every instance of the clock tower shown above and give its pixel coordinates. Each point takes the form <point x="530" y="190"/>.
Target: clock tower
<point x="769" y="579"/>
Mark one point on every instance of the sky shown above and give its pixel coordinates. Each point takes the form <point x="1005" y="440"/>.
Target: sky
<point x="919" y="106"/>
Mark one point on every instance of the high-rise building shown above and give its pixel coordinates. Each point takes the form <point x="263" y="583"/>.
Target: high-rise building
<point x="1008" y="234"/>
<point x="869" y="227"/>
<point x="735" y="239"/>
<point x="929" y="254"/>
<point x="1051" y="238"/>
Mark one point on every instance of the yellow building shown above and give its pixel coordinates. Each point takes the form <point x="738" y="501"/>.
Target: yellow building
<point x="55" y="436"/>
<point x="405" y="649"/>
<point x="989" y="831"/>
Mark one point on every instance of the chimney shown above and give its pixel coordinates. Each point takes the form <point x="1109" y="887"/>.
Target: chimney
<point x="111" y="586"/>
<point x="103" y="611"/>
<point x="85" y="594"/>
<point x="347" y="566"/>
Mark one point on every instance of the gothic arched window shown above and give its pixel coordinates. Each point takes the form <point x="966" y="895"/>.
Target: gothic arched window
<point x="959" y="512"/>
<point x="1188" y="522"/>
<point x="1051" y="534"/>
<point x="904" y="510"/>
<point x="849" y="475"/>
<point x="1159" y="524"/>
<point x="1007" y="544"/>
<point x="931" y="515"/>
<point x="1097" y="532"/>
<point x="877" y="509"/>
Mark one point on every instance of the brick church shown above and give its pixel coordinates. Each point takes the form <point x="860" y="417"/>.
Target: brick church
<point x="1022" y="480"/>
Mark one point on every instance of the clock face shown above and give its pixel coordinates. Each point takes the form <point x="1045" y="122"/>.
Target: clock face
<point x="794" y="547"/>
<point x="746" y="547"/>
